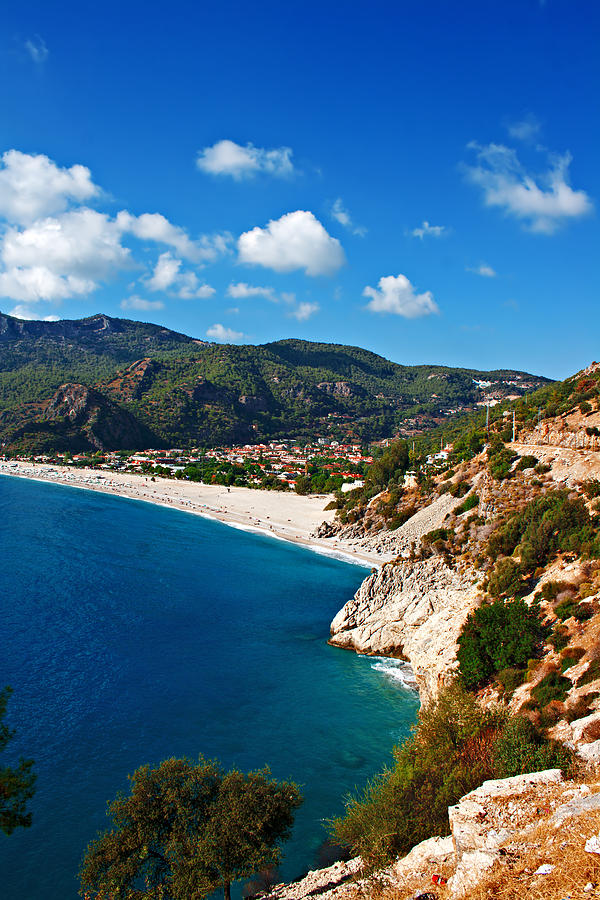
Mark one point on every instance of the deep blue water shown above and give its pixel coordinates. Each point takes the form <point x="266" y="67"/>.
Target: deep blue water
<point x="131" y="633"/>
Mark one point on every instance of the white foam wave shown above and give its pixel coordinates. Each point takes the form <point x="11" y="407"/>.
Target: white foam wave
<point x="396" y="670"/>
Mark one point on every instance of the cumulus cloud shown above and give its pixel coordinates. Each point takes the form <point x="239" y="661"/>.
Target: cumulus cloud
<point x="60" y="257"/>
<point x="32" y="186"/>
<point x="484" y="270"/>
<point x="542" y="202"/>
<point x="139" y="303"/>
<point x="395" y="294"/>
<point x="36" y="47"/>
<point x="427" y="230"/>
<point x="295" y="241"/>
<point x="229" y="158"/>
<point x="168" y="276"/>
<point x="342" y="215"/>
<point x="53" y="246"/>
<point x="155" y="227"/>
<point x="304" y="311"/>
<point x="241" y="290"/>
<point x="221" y="333"/>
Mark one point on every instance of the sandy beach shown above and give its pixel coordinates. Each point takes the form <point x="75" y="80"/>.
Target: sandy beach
<point x="283" y="515"/>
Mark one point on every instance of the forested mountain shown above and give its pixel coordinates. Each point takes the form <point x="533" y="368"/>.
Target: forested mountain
<point x="185" y="392"/>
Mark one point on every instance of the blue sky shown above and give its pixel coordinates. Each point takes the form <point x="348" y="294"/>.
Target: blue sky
<point x="419" y="178"/>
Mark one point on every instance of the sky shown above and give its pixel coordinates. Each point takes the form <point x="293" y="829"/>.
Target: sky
<point x="416" y="177"/>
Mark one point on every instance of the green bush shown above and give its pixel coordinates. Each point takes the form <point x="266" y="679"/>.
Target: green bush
<point x="438" y="534"/>
<point x="553" y="686"/>
<point x="455" y="746"/>
<point x="547" y="525"/>
<point x="460" y="488"/>
<point x="505" y="580"/>
<point x="591" y="488"/>
<point x="510" y="679"/>
<point x="559" y="638"/>
<point x="568" y="608"/>
<point x="526" y="462"/>
<point x="469" y="502"/>
<point x="521" y="748"/>
<point x="542" y="468"/>
<point x="497" y="636"/>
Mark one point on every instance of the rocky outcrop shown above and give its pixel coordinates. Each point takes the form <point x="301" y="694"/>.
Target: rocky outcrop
<point x="81" y="418"/>
<point x="414" y="611"/>
<point x="483" y="820"/>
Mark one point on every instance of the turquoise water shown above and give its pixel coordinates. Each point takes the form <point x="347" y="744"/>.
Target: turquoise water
<point x="131" y="632"/>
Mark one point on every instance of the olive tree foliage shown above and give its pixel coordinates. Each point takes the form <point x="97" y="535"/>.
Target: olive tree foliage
<point x="187" y="829"/>
<point x="16" y="782"/>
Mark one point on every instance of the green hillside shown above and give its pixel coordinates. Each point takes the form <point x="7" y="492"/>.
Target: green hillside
<point x="185" y="392"/>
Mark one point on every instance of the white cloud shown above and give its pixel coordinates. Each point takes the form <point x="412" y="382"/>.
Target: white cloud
<point x="32" y="186"/>
<point x="229" y="158"/>
<point x="57" y="258"/>
<point x="220" y="333"/>
<point x="155" y="227"/>
<point x="342" y="215"/>
<point x="36" y="47"/>
<point x="167" y="276"/>
<point x="295" y="241"/>
<point x="526" y="130"/>
<point x="241" y="290"/>
<point x="52" y="247"/>
<point x="542" y="202"/>
<point x="304" y="311"/>
<point x="140" y="303"/>
<point x="395" y="294"/>
<point x="23" y="312"/>
<point x="233" y="310"/>
<point x="427" y="230"/>
<point x="484" y="270"/>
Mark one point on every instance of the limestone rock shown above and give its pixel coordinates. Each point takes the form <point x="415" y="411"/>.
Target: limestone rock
<point x="433" y="851"/>
<point x="477" y="840"/>
<point x="412" y="610"/>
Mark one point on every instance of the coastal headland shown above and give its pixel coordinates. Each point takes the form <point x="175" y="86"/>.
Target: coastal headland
<point x="278" y="514"/>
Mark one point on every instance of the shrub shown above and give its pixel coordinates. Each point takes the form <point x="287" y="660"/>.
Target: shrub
<point x="591" y="488"/>
<point x="559" y="639"/>
<point x="526" y="462"/>
<point x="510" y="679"/>
<point x="500" y="463"/>
<point x="553" y="686"/>
<point x="547" y="525"/>
<point x="520" y="747"/>
<point x="591" y="673"/>
<point x="499" y="635"/>
<point x="469" y="502"/>
<point x="401" y="517"/>
<point x="505" y="580"/>
<point x="542" y="468"/>
<point x="438" y="534"/>
<point x="571" y="658"/>
<point x="455" y="746"/>
<point x="460" y="488"/>
<point x="568" y="608"/>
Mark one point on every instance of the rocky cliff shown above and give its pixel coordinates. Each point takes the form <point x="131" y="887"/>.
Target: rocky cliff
<point x="412" y="610"/>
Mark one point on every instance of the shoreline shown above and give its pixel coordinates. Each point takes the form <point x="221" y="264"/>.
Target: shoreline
<point x="277" y="514"/>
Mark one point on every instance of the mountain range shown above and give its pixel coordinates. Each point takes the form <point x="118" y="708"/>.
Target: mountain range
<point x="108" y="383"/>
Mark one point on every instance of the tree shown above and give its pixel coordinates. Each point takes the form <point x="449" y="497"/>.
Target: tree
<point x="187" y="829"/>
<point x="16" y="783"/>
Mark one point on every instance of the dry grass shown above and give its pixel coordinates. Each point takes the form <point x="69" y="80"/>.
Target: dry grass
<point x="512" y="876"/>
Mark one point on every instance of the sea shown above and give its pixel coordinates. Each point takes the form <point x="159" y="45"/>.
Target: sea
<point x="131" y="633"/>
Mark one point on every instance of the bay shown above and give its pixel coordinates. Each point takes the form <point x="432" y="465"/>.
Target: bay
<point x="131" y="633"/>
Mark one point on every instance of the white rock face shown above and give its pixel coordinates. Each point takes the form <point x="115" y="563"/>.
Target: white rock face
<point x="476" y="843"/>
<point x="433" y="851"/>
<point x="412" y="610"/>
